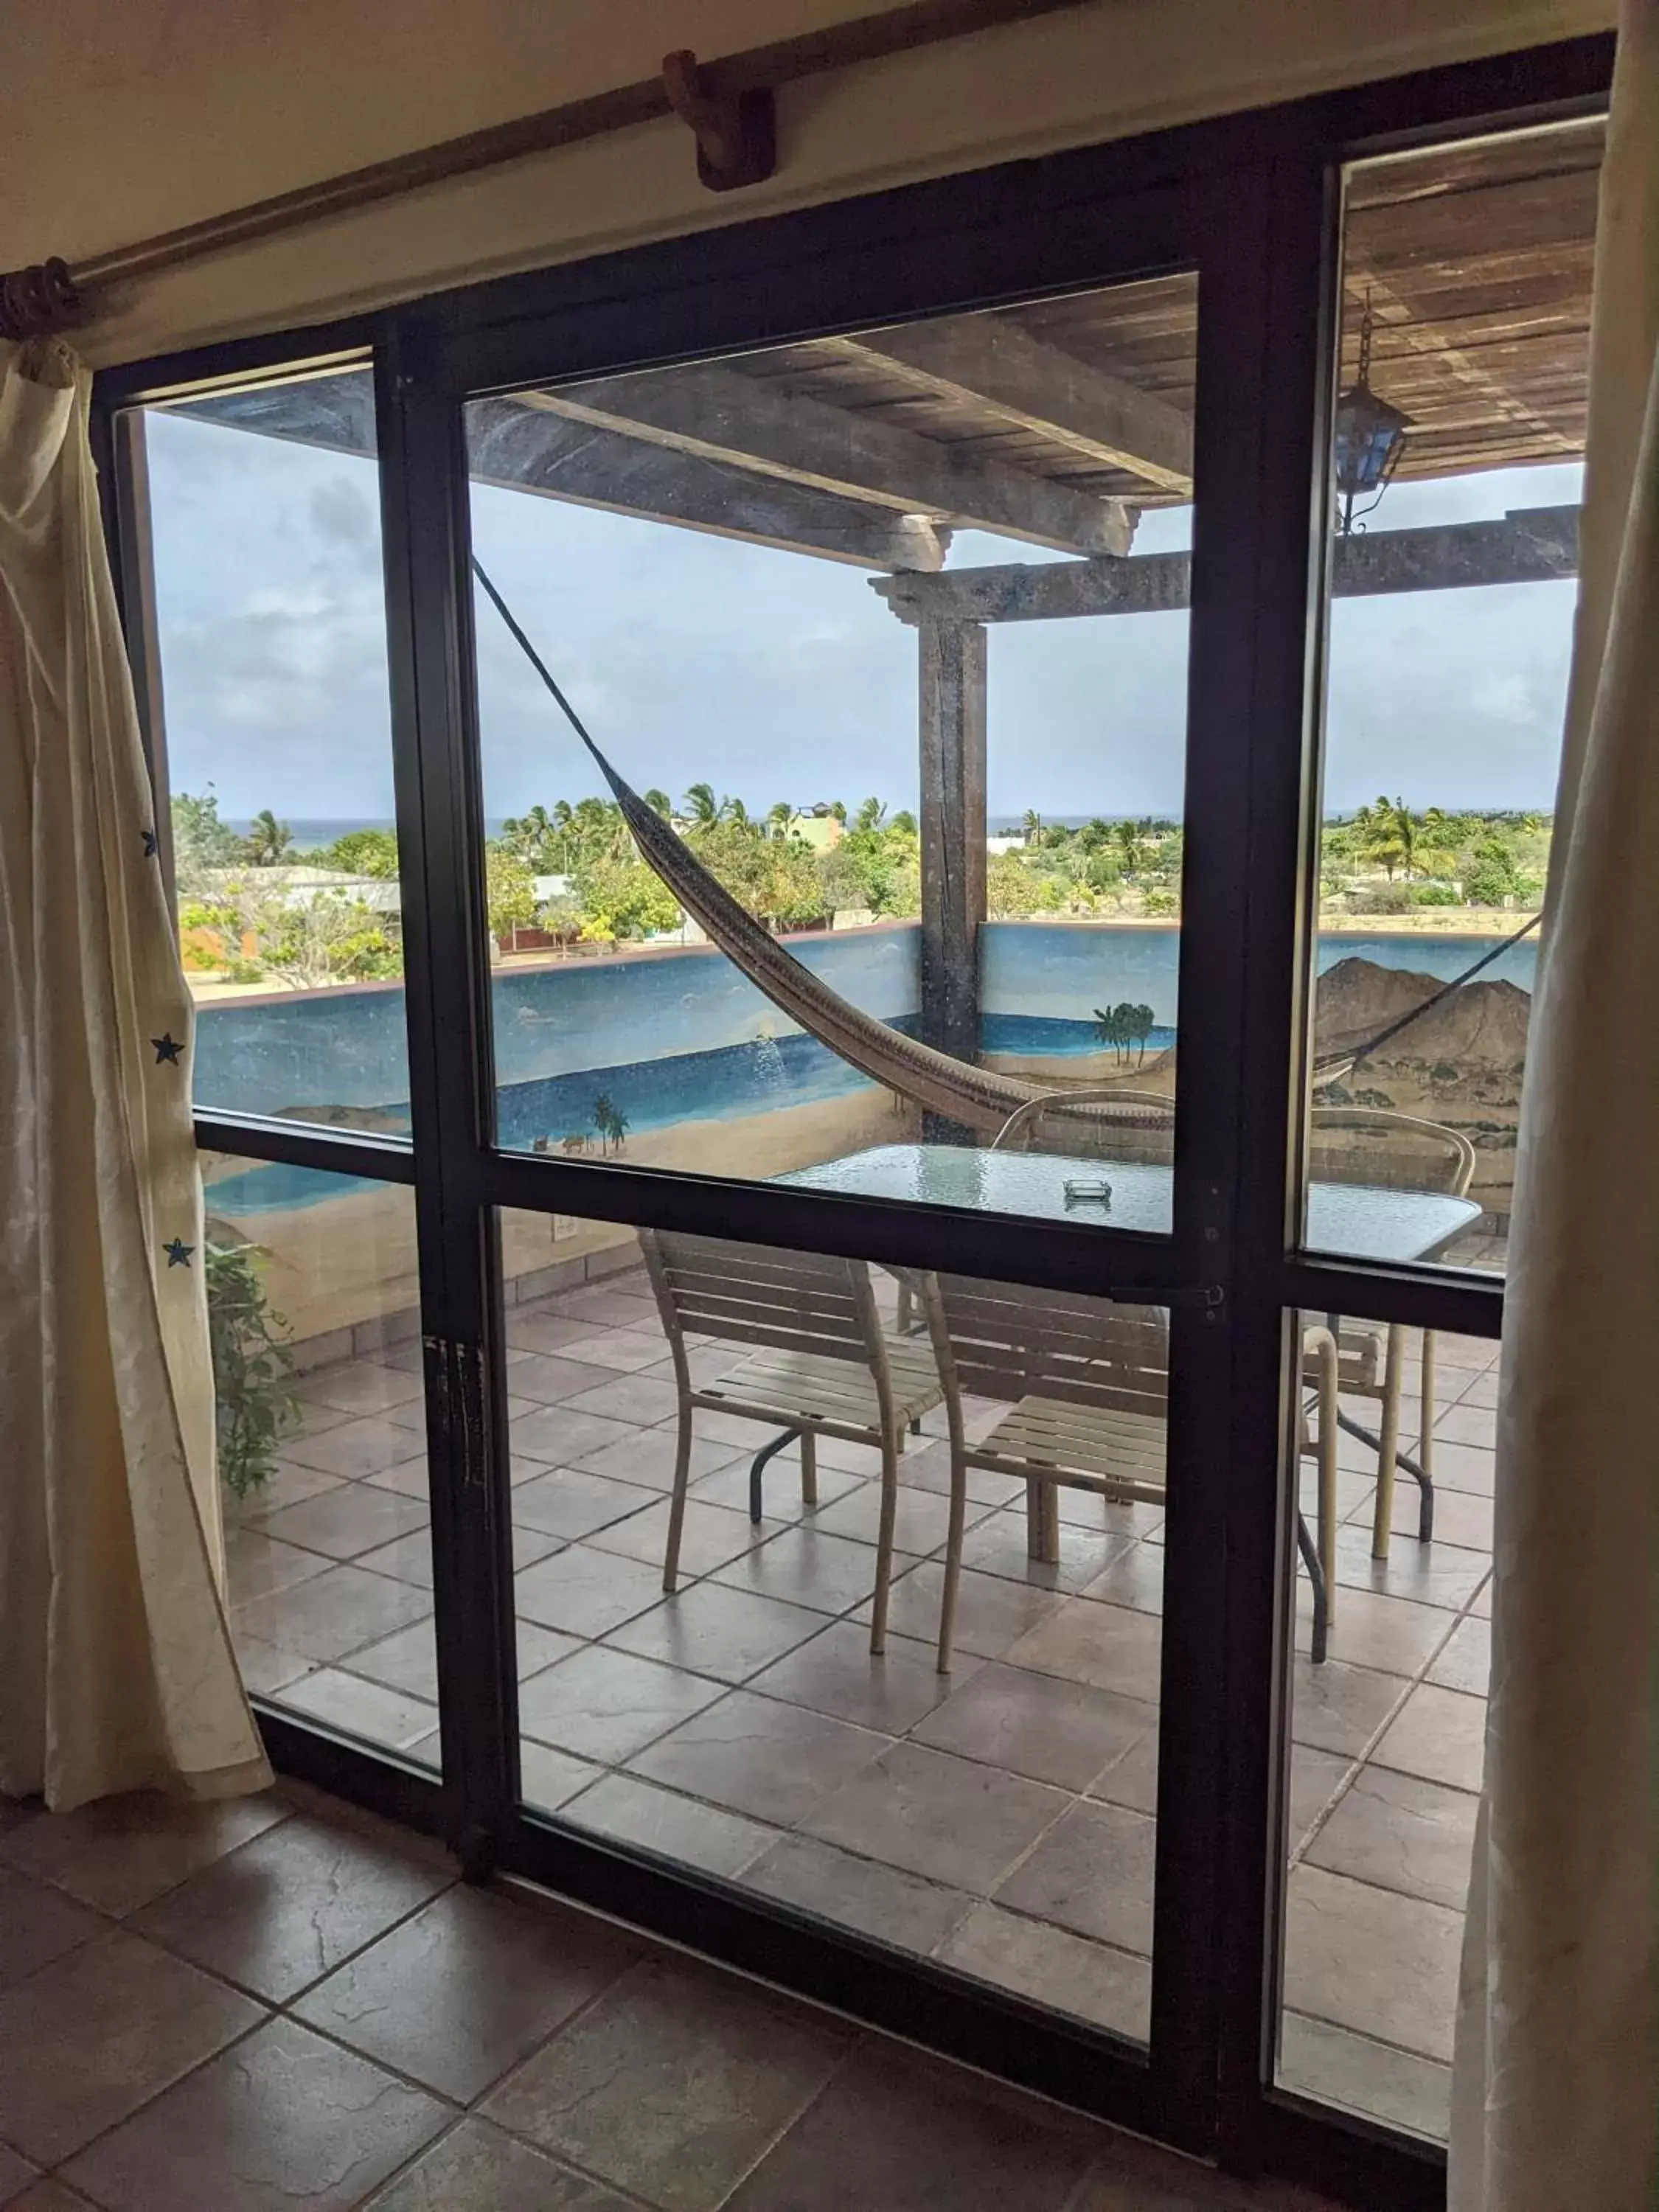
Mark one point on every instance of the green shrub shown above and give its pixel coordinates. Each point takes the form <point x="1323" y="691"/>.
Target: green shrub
<point x="1381" y="898"/>
<point x="254" y="1404"/>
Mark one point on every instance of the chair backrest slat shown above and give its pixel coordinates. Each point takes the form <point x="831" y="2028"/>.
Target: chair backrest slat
<point x="1008" y="1341"/>
<point x="1135" y="1126"/>
<point x="1391" y="1151"/>
<point x="756" y="1295"/>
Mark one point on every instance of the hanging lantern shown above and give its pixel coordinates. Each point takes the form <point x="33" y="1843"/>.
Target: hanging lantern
<point x="1370" y="437"/>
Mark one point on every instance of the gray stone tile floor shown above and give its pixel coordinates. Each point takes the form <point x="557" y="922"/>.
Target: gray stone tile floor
<point x="999" y="1818"/>
<point x="284" y="2005"/>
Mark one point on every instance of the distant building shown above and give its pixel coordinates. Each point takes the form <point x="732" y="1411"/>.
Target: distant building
<point x="819" y="829"/>
<point x="300" y="885"/>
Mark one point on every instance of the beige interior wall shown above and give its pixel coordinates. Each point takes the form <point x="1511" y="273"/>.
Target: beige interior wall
<point x="121" y="120"/>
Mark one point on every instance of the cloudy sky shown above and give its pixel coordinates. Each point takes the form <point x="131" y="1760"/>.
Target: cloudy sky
<point x="774" y="675"/>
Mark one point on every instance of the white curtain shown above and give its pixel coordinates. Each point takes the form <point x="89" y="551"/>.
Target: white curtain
<point x="1556" y="2080"/>
<point x="117" y="1670"/>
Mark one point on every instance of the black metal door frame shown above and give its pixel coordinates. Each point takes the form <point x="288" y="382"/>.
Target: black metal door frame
<point x="939" y="262"/>
<point x="1249" y="205"/>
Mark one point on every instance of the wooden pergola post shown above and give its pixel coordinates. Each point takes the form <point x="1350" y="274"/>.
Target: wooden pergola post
<point x="952" y="821"/>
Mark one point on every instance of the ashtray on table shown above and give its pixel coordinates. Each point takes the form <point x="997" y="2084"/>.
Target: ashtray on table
<point x="1088" y="1190"/>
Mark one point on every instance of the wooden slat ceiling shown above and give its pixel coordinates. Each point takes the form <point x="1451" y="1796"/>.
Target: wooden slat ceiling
<point x="1145" y="334"/>
<point x="1477" y="262"/>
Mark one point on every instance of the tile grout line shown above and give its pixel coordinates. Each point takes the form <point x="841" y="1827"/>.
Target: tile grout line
<point x="1414" y="1683"/>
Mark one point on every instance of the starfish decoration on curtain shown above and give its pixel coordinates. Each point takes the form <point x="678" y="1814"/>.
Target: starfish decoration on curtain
<point x="178" y="1253"/>
<point x="152" y="844"/>
<point x="168" y="1047"/>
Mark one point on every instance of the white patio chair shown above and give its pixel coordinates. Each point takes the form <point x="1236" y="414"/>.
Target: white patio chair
<point x="1088" y="1384"/>
<point x="1139" y="1128"/>
<point x="1390" y="1151"/>
<point x="819" y="1365"/>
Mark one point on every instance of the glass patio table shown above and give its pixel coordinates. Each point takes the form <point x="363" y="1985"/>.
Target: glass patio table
<point x="1352" y="1220"/>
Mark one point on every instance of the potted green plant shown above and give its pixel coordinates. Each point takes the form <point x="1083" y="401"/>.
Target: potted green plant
<point x="254" y="1401"/>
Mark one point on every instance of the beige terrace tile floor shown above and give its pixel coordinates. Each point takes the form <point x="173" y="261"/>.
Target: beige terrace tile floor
<point x="998" y="1819"/>
<point x="444" y="2049"/>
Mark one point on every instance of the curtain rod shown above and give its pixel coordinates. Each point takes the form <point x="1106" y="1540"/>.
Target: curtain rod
<point x="728" y="105"/>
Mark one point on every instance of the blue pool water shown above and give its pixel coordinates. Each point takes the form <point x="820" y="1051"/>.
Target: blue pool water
<point x="274" y="1187"/>
<point x="686" y="1038"/>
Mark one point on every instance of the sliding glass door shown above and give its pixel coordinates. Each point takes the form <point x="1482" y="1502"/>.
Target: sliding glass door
<point x="856" y="1343"/>
<point x="857" y="1183"/>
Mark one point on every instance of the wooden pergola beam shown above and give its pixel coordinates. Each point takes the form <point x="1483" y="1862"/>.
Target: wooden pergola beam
<point x="531" y="449"/>
<point x="525" y="449"/>
<point x="718" y="414"/>
<point x="989" y="363"/>
<point x="1532" y="545"/>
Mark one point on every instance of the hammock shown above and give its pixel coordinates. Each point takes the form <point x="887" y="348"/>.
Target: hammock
<point x="976" y="1097"/>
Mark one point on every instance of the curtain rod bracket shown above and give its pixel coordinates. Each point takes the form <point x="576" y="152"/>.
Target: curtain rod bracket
<point x="38" y="300"/>
<point x="736" y="133"/>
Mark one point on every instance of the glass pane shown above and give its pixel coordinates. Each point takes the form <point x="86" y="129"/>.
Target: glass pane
<point x="1466" y="307"/>
<point x="997" y="1816"/>
<point x="322" y="1446"/>
<point x="1388" y="1730"/>
<point x="264" y="543"/>
<point x="936" y="801"/>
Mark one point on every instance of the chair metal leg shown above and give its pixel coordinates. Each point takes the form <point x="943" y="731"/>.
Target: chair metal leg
<point x="756" y="1467"/>
<point x="671" y="1562"/>
<point x="947" y="1607"/>
<point x="1401" y="1458"/>
<point x="1320" y="1637"/>
<point x="1033" y="1519"/>
<point x="884" y="1541"/>
<point x="1388" y="1449"/>
<point x="809" y="1468"/>
<point x="1329" y="1402"/>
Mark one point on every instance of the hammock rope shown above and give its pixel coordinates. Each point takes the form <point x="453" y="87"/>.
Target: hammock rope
<point x="976" y="1097"/>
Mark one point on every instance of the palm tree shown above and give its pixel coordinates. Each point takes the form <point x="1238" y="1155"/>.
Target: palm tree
<point x="268" y="839"/>
<point x="779" y="817"/>
<point x="1032" y="825"/>
<point x="1388" y="834"/>
<point x="530" y="838"/>
<point x="659" y="802"/>
<point x="1109" y="1028"/>
<point x="1131" y="844"/>
<point x="734" y="811"/>
<point x="610" y="1122"/>
<point x="870" y="814"/>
